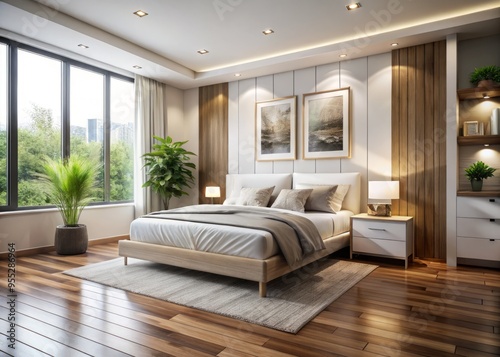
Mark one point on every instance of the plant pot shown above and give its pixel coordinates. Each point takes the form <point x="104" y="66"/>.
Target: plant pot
<point x="477" y="185"/>
<point x="71" y="240"/>
<point x="486" y="83"/>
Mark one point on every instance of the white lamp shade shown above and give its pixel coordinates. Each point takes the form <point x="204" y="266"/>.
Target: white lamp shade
<point x="212" y="191"/>
<point x="383" y="190"/>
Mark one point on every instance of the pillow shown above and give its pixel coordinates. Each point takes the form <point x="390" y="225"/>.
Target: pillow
<point x="250" y="196"/>
<point x="292" y="200"/>
<point x="325" y="198"/>
<point x="231" y="201"/>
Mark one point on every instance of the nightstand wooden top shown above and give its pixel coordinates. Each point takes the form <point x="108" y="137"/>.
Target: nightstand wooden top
<point x="382" y="218"/>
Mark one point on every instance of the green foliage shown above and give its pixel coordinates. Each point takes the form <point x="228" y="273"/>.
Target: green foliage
<point x="42" y="138"/>
<point x="485" y="73"/>
<point x="168" y="169"/>
<point x="479" y="171"/>
<point x="69" y="185"/>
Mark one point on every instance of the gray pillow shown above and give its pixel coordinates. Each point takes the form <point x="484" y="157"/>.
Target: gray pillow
<point x="325" y="198"/>
<point x="250" y="196"/>
<point x="292" y="200"/>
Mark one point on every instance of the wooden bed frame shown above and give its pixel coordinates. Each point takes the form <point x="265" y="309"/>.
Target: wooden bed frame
<point x="261" y="271"/>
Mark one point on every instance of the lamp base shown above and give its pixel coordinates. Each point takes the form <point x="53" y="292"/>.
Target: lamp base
<point x="379" y="209"/>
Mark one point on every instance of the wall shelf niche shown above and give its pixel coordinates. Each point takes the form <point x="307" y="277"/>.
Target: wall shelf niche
<point x="479" y="140"/>
<point x="478" y="92"/>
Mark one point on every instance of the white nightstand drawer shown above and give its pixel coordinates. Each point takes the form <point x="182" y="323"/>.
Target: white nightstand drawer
<point x="478" y="248"/>
<point x="379" y="246"/>
<point x="478" y="207"/>
<point x="478" y="228"/>
<point x="379" y="229"/>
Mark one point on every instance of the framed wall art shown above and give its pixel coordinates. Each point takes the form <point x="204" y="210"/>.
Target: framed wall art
<point x="327" y="125"/>
<point x="275" y="122"/>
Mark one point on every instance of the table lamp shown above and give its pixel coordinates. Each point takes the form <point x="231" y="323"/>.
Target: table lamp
<point x="382" y="190"/>
<point x="212" y="191"/>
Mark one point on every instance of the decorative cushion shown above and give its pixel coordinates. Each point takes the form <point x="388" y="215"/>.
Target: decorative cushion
<point x="325" y="198"/>
<point x="250" y="196"/>
<point x="292" y="200"/>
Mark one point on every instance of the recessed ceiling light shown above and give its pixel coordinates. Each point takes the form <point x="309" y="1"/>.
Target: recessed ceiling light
<point x="141" y="13"/>
<point x="343" y="55"/>
<point x="202" y="52"/>
<point x="237" y="74"/>
<point x="354" y="6"/>
<point x="83" y="46"/>
<point x="394" y="44"/>
<point x="137" y="67"/>
<point x="486" y="96"/>
<point x="268" y="31"/>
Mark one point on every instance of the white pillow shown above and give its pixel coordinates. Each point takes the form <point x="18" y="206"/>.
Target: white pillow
<point x="292" y="200"/>
<point x="250" y="196"/>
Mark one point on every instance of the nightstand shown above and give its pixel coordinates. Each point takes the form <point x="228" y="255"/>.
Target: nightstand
<point x="390" y="237"/>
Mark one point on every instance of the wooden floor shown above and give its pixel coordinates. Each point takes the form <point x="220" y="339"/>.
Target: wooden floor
<point x="428" y="310"/>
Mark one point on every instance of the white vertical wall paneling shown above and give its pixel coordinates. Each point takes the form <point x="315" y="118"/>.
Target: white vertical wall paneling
<point x="379" y="118"/>
<point x="304" y="82"/>
<point x="328" y="78"/>
<point x="283" y="87"/>
<point x="232" y="128"/>
<point x="246" y="130"/>
<point x="354" y="74"/>
<point x="264" y="91"/>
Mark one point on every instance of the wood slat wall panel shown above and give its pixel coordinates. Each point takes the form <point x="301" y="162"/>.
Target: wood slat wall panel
<point x="213" y="156"/>
<point x="418" y="146"/>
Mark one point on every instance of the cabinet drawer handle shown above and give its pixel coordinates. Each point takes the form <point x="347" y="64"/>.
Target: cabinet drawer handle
<point x="492" y="219"/>
<point x="492" y="200"/>
<point x="377" y="229"/>
<point x="492" y="240"/>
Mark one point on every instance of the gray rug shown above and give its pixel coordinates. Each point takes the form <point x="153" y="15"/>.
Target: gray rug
<point x="291" y="302"/>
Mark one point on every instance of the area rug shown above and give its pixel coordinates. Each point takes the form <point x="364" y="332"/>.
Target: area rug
<point x="291" y="302"/>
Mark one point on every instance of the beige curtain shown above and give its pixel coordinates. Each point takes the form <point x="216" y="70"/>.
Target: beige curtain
<point x="149" y="121"/>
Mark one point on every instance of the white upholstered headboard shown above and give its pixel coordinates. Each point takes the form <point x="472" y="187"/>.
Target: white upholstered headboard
<point x="234" y="183"/>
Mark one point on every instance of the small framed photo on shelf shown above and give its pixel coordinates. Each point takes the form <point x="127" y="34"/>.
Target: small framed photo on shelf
<point x="471" y="128"/>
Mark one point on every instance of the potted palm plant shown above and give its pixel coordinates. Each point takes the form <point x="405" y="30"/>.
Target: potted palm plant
<point x="168" y="169"/>
<point x="477" y="172"/>
<point x="70" y="185"/>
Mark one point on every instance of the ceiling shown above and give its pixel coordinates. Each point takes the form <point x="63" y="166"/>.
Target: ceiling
<point x="306" y="32"/>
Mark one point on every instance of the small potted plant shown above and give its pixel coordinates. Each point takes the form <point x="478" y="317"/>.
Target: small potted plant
<point x="487" y="76"/>
<point x="70" y="185"/>
<point x="477" y="172"/>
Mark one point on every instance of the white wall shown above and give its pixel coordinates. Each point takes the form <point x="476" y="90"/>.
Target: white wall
<point x="36" y="228"/>
<point x="182" y="125"/>
<point x="370" y="81"/>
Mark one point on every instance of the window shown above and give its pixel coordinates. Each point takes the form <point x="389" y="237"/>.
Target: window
<point x="39" y="121"/>
<point x="122" y="140"/>
<point x="87" y="118"/>
<point x="54" y="106"/>
<point x="3" y="124"/>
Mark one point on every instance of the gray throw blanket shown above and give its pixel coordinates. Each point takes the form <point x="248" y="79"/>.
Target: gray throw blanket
<point x="296" y="236"/>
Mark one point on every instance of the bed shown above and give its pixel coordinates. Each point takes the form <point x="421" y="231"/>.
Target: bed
<point x="239" y="250"/>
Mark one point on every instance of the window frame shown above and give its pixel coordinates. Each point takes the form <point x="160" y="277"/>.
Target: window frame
<point x="12" y="119"/>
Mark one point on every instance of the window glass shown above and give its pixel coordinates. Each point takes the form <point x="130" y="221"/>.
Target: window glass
<point x="39" y="121"/>
<point x="121" y="140"/>
<point x="3" y="124"/>
<point x="86" y="118"/>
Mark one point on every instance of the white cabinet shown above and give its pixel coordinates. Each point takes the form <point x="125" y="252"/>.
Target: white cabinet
<point x="478" y="231"/>
<point x="383" y="236"/>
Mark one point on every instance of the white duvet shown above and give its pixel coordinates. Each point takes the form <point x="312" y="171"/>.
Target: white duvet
<point x="229" y="240"/>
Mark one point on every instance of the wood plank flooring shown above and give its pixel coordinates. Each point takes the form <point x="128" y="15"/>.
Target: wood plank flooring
<point x="428" y="310"/>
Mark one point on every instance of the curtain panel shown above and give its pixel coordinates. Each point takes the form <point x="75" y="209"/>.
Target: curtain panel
<point x="149" y="122"/>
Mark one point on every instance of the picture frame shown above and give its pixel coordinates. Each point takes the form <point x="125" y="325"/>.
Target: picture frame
<point x="327" y="124"/>
<point x="275" y="127"/>
<point x="471" y="128"/>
